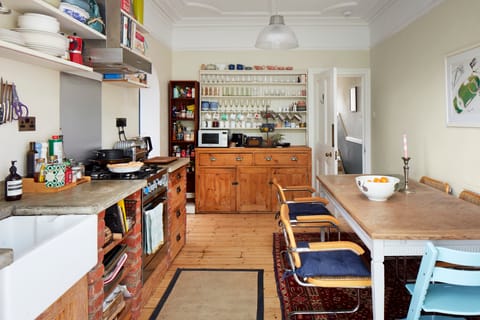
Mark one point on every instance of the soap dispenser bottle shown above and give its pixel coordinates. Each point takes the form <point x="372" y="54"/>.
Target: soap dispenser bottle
<point x="13" y="185"/>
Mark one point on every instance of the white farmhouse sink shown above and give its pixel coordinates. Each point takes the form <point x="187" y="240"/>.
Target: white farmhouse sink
<point x="51" y="253"/>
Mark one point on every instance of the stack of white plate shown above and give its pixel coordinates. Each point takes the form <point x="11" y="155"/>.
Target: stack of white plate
<point x="40" y="32"/>
<point x="11" y="36"/>
<point x="36" y="21"/>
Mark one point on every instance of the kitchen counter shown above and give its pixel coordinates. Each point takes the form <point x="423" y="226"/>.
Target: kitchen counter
<point x="86" y="198"/>
<point x="177" y="164"/>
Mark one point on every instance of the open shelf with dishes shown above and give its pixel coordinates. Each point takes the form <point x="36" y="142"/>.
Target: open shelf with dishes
<point x="249" y="101"/>
<point x="68" y="25"/>
<point x="183" y="124"/>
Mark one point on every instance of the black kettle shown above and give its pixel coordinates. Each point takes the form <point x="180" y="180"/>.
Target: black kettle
<point x="148" y="145"/>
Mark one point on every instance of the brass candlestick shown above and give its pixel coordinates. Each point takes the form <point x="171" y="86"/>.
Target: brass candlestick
<point x="406" y="168"/>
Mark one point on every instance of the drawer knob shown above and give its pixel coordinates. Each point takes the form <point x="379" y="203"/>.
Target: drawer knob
<point x="179" y="176"/>
<point x="179" y="189"/>
<point x="178" y="213"/>
<point x="268" y="158"/>
<point x="294" y="158"/>
<point x="239" y="158"/>
<point x="213" y="159"/>
<point x="179" y="237"/>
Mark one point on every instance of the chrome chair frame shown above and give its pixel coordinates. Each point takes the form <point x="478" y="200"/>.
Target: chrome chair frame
<point x="294" y="256"/>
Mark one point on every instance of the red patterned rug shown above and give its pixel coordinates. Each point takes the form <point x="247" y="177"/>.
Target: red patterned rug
<point x="295" y="297"/>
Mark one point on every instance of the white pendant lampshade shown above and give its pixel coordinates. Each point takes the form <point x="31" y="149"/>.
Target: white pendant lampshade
<point x="276" y="35"/>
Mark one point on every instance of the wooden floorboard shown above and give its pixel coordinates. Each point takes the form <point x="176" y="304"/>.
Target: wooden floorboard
<point x="227" y="241"/>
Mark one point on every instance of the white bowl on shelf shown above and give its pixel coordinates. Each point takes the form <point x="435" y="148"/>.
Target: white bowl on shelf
<point x="36" y="21"/>
<point x="377" y="187"/>
<point x="75" y="12"/>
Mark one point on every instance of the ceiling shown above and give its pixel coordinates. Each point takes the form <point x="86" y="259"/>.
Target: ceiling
<point x="354" y="20"/>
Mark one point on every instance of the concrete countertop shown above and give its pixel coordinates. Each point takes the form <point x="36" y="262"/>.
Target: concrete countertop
<point x="86" y="198"/>
<point x="177" y="164"/>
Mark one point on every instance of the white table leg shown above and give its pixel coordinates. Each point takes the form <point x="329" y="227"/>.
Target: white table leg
<point x="378" y="280"/>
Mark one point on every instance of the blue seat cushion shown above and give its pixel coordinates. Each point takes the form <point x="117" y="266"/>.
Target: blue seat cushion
<point x="306" y="209"/>
<point x="331" y="263"/>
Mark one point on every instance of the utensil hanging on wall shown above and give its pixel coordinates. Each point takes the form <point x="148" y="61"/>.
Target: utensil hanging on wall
<point x="4" y="10"/>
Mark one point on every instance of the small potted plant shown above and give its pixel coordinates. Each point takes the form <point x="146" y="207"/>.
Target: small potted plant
<point x="274" y="139"/>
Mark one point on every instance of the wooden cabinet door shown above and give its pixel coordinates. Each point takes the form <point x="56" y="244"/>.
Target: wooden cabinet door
<point x="215" y="190"/>
<point x="254" y="190"/>
<point x="290" y="177"/>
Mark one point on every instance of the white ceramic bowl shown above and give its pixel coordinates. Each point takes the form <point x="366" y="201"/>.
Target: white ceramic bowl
<point x="374" y="189"/>
<point x="35" y="21"/>
<point x="74" y="11"/>
<point x="221" y="66"/>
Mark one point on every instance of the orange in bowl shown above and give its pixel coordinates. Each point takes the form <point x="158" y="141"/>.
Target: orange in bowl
<point x="376" y="187"/>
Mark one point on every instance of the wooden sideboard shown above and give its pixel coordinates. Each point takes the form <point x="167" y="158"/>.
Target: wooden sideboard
<point x="239" y="180"/>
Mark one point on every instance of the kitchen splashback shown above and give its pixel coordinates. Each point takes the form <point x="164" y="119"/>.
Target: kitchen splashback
<point x="80" y="116"/>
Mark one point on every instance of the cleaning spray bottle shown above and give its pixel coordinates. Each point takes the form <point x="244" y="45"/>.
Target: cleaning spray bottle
<point x="13" y="184"/>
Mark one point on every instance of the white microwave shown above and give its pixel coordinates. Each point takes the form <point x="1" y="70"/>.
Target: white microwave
<point x="213" y="138"/>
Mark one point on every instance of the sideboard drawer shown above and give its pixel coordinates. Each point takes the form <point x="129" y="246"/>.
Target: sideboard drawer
<point x="287" y="159"/>
<point x="225" y="159"/>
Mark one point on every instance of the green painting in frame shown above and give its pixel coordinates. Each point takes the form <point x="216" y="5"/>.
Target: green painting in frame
<point x="463" y="88"/>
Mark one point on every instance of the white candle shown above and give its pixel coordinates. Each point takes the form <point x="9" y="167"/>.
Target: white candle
<point x="405" y="147"/>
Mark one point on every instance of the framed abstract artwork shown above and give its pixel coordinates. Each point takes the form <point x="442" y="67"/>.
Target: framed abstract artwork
<point x="463" y="88"/>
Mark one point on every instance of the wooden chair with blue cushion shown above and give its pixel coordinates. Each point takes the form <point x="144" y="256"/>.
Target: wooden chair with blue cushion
<point x="446" y="290"/>
<point x="307" y="211"/>
<point x="332" y="264"/>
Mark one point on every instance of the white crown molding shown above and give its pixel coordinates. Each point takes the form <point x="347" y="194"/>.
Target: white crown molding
<point x="239" y="32"/>
<point x="158" y="23"/>
<point x="396" y="16"/>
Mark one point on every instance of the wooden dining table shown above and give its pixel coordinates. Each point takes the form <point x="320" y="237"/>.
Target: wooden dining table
<point x="401" y="225"/>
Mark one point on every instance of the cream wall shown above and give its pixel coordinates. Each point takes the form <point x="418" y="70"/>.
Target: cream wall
<point x="161" y="57"/>
<point x="186" y="64"/>
<point x="38" y="88"/>
<point x="408" y="96"/>
<point x="118" y="102"/>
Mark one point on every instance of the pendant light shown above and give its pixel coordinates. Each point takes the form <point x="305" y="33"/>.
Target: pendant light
<point x="276" y="35"/>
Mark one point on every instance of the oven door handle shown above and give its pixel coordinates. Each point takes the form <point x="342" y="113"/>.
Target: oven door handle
<point x="151" y="205"/>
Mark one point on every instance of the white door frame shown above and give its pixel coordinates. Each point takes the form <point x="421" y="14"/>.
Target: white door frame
<point x="364" y="75"/>
<point x="149" y="101"/>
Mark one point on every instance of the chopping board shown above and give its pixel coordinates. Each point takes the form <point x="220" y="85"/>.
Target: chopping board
<point x="160" y="160"/>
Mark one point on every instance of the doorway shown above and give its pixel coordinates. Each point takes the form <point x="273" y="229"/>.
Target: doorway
<point x="332" y="118"/>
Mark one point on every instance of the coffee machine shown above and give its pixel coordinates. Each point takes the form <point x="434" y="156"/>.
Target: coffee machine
<point x="238" y="138"/>
<point x="75" y="48"/>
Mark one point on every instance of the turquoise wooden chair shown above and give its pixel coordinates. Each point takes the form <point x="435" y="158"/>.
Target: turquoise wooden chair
<point x="441" y="288"/>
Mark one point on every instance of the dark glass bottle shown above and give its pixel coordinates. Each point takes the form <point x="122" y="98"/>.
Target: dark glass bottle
<point x="31" y="160"/>
<point x="13" y="185"/>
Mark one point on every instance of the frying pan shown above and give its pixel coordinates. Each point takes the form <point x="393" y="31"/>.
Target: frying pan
<point x="108" y="156"/>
